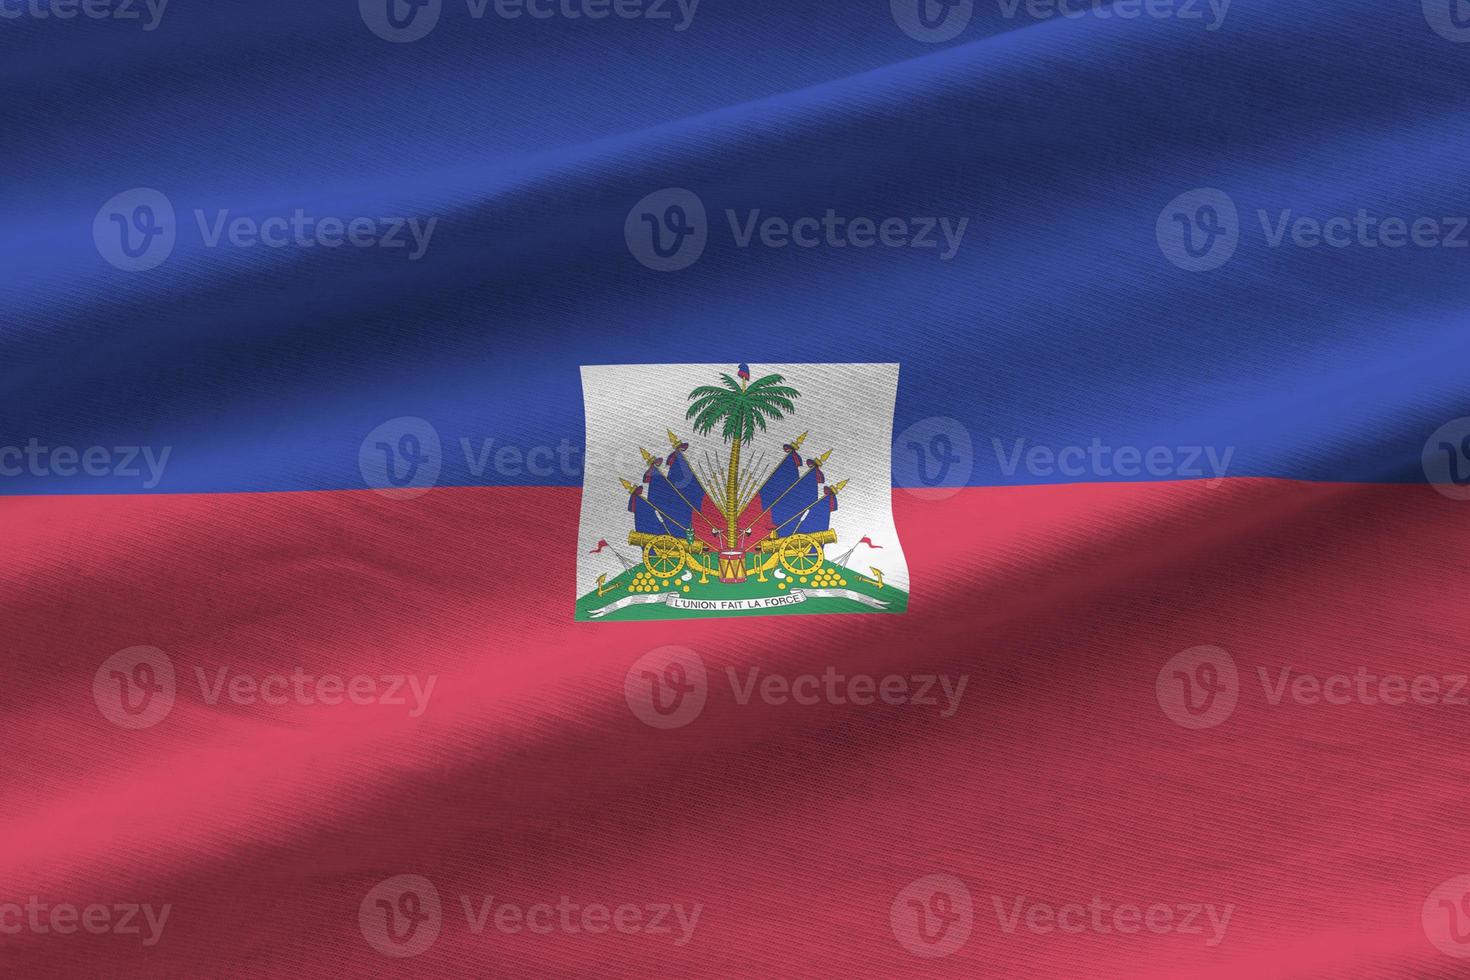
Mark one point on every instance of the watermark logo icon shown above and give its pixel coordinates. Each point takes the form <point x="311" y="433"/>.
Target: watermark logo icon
<point x="147" y="13"/>
<point x="135" y="688"/>
<point x="1449" y="18"/>
<point x="933" y="458"/>
<point x="1447" y="459"/>
<point x="135" y="230"/>
<point x="1199" y="230"/>
<point x="401" y="458"/>
<point x="401" y="916"/>
<point x="1199" y="687"/>
<point x="667" y="230"/>
<point x="400" y="21"/>
<point x="667" y="688"/>
<point x="932" y="21"/>
<point x="1446" y="917"/>
<point x="932" y="916"/>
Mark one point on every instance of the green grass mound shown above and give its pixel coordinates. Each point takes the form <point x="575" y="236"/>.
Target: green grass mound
<point x="717" y="599"/>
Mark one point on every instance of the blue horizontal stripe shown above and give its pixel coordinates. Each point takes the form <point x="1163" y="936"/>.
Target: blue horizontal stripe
<point x="1059" y="340"/>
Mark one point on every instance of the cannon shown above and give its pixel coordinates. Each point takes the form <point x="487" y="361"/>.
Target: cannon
<point x="664" y="555"/>
<point x="800" y="554"/>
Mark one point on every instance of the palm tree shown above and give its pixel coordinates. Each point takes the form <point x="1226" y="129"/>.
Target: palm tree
<point x="742" y="408"/>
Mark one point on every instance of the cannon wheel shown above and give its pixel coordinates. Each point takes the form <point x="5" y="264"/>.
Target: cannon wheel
<point x="664" y="556"/>
<point x="801" y="555"/>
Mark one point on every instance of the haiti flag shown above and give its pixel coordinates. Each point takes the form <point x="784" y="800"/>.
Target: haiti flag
<point x="696" y="488"/>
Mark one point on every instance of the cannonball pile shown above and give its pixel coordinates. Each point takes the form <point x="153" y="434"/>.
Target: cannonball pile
<point x="648" y="582"/>
<point x="827" y="577"/>
<point x="643" y="582"/>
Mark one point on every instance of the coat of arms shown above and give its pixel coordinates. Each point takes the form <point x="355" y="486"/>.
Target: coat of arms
<point x="735" y="513"/>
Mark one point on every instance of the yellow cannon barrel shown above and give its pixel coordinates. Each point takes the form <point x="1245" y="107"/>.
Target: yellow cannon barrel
<point x="639" y="540"/>
<point x="821" y="537"/>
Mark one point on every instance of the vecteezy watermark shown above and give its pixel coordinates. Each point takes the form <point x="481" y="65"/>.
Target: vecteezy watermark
<point x="35" y="459"/>
<point x="404" y="458"/>
<point x="508" y="459"/>
<point x="657" y="919"/>
<point x="1450" y="19"/>
<point x="301" y="688"/>
<point x="669" y="687"/>
<point x="1362" y="230"/>
<point x="1363" y="687"/>
<point x="95" y="919"/>
<point x="938" y="691"/>
<point x="1446" y="459"/>
<point x="403" y="916"/>
<point x="669" y="230"/>
<point x="832" y="230"/>
<point x="1200" y="688"/>
<point x="1097" y="459"/>
<point x="137" y="230"/>
<point x="933" y="458"/>
<point x="1210" y="12"/>
<point x="401" y="458"/>
<point x="1201" y="229"/>
<point x="137" y="688"/>
<point x="404" y="21"/>
<point x="1103" y="918"/>
<point x="937" y="21"/>
<point x="147" y="13"/>
<point x="1445" y="917"/>
<point x="932" y="917"/>
<point x="932" y="21"/>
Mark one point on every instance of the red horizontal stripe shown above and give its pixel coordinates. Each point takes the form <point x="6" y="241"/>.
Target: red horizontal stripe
<point x="528" y="777"/>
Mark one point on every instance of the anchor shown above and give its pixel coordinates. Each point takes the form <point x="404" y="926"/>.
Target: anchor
<point x="611" y="588"/>
<point x="878" y="581"/>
